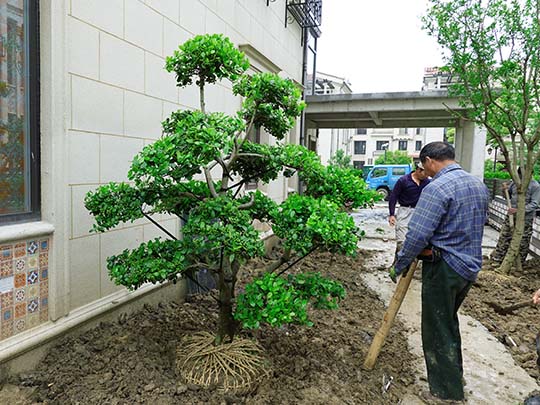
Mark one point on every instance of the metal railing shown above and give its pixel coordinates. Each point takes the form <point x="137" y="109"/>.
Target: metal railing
<point x="307" y="13"/>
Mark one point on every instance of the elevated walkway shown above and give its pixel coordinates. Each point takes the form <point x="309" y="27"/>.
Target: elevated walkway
<point x="422" y="109"/>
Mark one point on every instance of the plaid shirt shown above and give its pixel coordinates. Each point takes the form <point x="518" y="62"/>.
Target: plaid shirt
<point x="449" y="215"/>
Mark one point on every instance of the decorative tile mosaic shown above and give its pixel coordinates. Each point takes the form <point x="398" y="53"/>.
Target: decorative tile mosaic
<point x="24" y="286"/>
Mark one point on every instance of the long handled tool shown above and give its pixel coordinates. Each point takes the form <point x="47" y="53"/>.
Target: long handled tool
<point x="511" y="308"/>
<point x="389" y="316"/>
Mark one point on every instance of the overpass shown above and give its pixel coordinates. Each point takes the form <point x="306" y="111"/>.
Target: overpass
<point x="422" y="109"/>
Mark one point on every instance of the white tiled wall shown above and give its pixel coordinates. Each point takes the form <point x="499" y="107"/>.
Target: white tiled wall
<point x="119" y="93"/>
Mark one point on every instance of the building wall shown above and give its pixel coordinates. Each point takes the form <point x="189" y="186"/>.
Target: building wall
<point x="329" y="141"/>
<point x="104" y="95"/>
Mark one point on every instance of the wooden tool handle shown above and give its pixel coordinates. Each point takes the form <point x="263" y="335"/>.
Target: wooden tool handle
<point x="519" y="305"/>
<point x="389" y="316"/>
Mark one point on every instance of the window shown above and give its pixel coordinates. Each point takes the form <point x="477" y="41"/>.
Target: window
<point x="358" y="164"/>
<point x="361" y="131"/>
<point x="19" y="114"/>
<point x="406" y="131"/>
<point x="370" y="161"/>
<point x="359" y="147"/>
<point x="417" y="131"/>
<point x="418" y="145"/>
<point x="398" y="171"/>
<point x="402" y="145"/>
<point x="380" y="172"/>
<point x="381" y="145"/>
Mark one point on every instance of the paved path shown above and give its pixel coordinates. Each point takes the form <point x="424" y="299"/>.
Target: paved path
<point x="492" y="375"/>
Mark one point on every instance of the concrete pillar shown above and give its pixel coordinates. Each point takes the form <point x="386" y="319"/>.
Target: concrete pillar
<point x="470" y="144"/>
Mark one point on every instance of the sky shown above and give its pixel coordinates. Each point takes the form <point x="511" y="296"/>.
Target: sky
<point x="377" y="45"/>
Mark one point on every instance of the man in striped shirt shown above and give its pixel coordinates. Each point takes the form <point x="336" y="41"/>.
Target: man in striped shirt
<point x="450" y="217"/>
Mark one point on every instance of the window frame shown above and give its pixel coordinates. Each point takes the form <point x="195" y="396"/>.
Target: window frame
<point x="361" y="148"/>
<point x="416" y="148"/>
<point x="32" y="113"/>
<point x="379" y="145"/>
<point x="402" y="144"/>
<point x="359" y="164"/>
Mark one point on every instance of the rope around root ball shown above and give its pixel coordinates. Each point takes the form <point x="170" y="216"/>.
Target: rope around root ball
<point x="233" y="367"/>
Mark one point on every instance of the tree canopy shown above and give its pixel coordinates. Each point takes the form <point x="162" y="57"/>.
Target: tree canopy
<point x="492" y="50"/>
<point x="198" y="170"/>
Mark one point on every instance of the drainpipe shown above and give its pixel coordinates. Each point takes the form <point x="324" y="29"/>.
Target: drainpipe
<point x="304" y="78"/>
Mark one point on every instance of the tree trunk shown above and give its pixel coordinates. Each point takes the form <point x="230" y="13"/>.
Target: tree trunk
<point x="227" y="324"/>
<point x="512" y="255"/>
<point x="201" y="95"/>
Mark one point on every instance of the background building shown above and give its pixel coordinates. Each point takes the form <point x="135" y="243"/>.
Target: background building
<point x="328" y="141"/>
<point x="370" y="143"/>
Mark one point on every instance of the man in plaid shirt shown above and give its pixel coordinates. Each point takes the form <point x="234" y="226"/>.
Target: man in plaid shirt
<point x="449" y="217"/>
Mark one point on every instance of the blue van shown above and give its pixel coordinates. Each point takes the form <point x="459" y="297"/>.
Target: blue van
<point x="384" y="177"/>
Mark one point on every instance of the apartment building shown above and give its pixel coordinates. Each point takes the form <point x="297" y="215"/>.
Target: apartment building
<point x="371" y="143"/>
<point x="82" y="90"/>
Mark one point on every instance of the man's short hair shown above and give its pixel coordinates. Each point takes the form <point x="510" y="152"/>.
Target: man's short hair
<point x="437" y="151"/>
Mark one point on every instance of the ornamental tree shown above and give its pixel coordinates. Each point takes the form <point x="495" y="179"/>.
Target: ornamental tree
<point x="493" y="50"/>
<point x="198" y="170"/>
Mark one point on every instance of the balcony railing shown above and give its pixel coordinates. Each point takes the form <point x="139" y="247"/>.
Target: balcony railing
<point x="307" y="14"/>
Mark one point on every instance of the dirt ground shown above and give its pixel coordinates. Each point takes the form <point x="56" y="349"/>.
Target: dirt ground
<point x="132" y="361"/>
<point x="518" y="329"/>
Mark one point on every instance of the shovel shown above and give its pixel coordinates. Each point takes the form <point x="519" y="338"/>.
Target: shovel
<point x="389" y="316"/>
<point x="511" y="308"/>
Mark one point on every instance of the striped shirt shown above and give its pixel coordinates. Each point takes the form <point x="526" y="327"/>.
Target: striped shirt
<point x="450" y="215"/>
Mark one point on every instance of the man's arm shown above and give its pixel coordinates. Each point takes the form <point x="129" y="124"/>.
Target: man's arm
<point x="426" y="218"/>
<point x="394" y="197"/>
<point x="534" y="204"/>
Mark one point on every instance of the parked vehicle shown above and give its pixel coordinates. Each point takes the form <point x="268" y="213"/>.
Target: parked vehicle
<point x="384" y="177"/>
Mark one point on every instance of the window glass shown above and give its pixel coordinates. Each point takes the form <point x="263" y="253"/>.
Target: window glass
<point x="398" y="171"/>
<point x="381" y="145"/>
<point x="358" y="164"/>
<point x="19" y="195"/>
<point x="381" y="172"/>
<point x="359" y="147"/>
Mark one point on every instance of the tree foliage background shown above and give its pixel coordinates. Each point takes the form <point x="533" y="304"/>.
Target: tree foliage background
<point x="492" y="49"/>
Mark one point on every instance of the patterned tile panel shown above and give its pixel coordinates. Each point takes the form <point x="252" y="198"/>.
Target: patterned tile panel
<point x="24" y="285"/>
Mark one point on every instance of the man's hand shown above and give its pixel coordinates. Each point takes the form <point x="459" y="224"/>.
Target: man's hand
<point x="393" y="275"/>
<point x="512" y="211"/>
<point x="536" y="297"/>
<point x="505" y="186"/>
<point x="392" y="220"/>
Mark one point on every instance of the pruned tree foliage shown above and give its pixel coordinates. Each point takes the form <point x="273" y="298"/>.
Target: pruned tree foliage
<point x="197" y="171"/>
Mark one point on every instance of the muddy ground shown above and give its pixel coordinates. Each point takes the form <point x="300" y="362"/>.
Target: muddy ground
<point x="518" y="329"/>
<point x="132" y="361"/>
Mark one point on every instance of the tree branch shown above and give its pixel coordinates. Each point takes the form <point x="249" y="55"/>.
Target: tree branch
<point x="248" y="204"/>
<point x="210" y="182"/>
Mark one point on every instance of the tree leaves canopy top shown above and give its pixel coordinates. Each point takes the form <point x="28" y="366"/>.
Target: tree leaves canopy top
<point x="207" y="57"/>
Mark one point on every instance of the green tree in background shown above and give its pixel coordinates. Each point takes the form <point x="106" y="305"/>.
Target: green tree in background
<point x="493" y="50"/>
<point x="394" y="158"/>
<point x="341" y="160"/>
